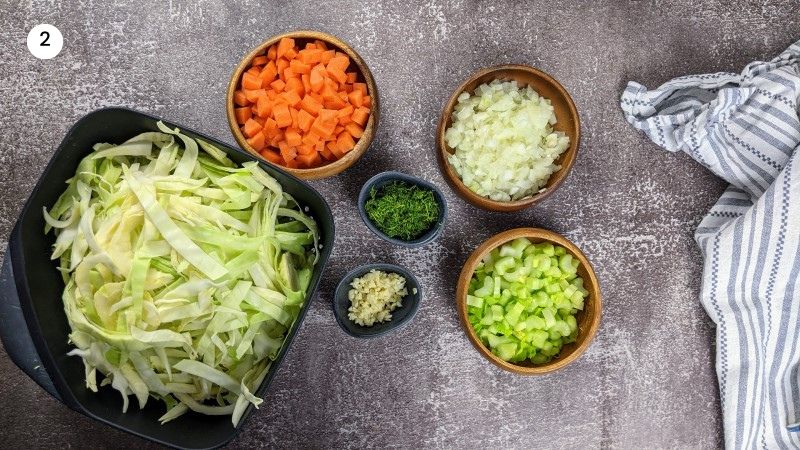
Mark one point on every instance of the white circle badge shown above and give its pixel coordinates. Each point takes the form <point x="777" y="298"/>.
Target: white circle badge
<point x="45" y="41"/>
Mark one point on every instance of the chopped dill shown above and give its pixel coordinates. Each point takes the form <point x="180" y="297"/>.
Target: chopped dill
<point x="402" y="210"/>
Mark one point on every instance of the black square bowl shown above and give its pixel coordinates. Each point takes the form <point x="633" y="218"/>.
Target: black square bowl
<point x="33" y="325"/>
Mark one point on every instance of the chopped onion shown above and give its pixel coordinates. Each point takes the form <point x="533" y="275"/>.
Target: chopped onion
<point x="504" y="143"/>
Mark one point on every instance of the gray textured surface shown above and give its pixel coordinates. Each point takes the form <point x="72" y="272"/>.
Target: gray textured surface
<point x="648" y="379"/>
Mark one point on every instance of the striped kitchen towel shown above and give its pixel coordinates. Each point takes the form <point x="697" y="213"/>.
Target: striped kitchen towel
<point x="745" y="128"/>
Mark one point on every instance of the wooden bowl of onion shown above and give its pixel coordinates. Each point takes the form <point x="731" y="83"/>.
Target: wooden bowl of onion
<point x="508" y="137"/>
<point x="304" y="101"/>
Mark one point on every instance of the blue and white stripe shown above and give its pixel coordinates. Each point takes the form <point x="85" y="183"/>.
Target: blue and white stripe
<point x="745" y="128"/>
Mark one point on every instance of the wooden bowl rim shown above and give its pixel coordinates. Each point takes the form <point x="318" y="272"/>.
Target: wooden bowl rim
<point x="483" y="202"/>
<point x="363" y="142"/>
<point x="538" y="234"/>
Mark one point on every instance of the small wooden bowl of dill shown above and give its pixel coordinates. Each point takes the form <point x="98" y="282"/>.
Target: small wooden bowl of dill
<point x="402" y="209"/>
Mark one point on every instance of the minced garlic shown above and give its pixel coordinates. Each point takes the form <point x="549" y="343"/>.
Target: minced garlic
<point x="374" y="296"/>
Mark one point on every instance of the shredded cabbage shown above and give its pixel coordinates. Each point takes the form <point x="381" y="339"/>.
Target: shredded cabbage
<point x="503" y="141"/>
<point x="183" y="272"/>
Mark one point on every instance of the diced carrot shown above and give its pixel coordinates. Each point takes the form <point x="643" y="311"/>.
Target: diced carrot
<point x="242" y="114"/>
<point x="292" y="164"/>
<point x="282" y="64"/>
<point x="311" y="105"/>
<point x="278" y="85"/>
<point x="240" y="99"/>
<point x="327" y="154"/>
<point x="334" y="148"/>
<point x="291" y="54"/>
<point x="331" y="83"/>
<point x="326" y="57"/>
<point x="293" y="112"/>
<point x="296" y="85"/>
<point x="361" y="87"/>
<point x="356" y="98"/>
<point x="288" y="74"/>
<point x="251" y="127"/>
<point x="275" y="140"/>
<point x="252" y="94"/>
<point x="339" y="63"/>
<point x="260" y="60"/>
<point x="322" y="128"/>
<point x="329" y="92"/>
<point x="337" y="74"/>
<point x="354" y="130"/>
<point x="310" y="46"/>
<point x="298" y="66"/>
<point x="250" y="81"/>
<point x="310" y="160"/>
<point x="345" y="120"/>
<point x="345" y="142"/>
<point x="260" y="121"/>
<point x="280" y="112"/>
<point x="291" y="98"/>
<point x="361" y="115"/>
<point x="334" y="102"/>
<point x="304" y="149"/>
<point x="284" y="46"/>
<point x="272" y="53"/>
<point x="327" y="115"/>
<point x="270" y="128"/>
<point x="367" y="101"/>
<point x="316" y="79"/>
<point x="321" y="44"/>
<point x="254" y="70"/>
<point x="264" y="107"/>
<point x="311" y="138"/>
<point x="272" y="94"/>
<point x="306" y="80"/>
<point x="268" y="73"/>
<point x="304" y="120"/>
<point x="347" y="88"/>
<point x="352" y="77"/>
<point x="310" y="56"/>
<point x="293" y="137"/>
<point x="272" y="156"/>
<point x="257" y="141"/>
<point x="344" y="111"/>
<point x="288" y="152"/>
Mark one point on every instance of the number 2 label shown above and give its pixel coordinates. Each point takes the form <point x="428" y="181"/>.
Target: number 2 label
<point x="45" y="41"/>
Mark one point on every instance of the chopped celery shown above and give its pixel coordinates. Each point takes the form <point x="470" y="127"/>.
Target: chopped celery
<point x="523" y="298"/>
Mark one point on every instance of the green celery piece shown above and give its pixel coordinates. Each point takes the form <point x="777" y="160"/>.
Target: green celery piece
<point x="506" y="351"/>
<point x="503" y="265"/>
<point x="514" y="311"/>
<point x="538" y="338"/>
<point x="474" y="301"/>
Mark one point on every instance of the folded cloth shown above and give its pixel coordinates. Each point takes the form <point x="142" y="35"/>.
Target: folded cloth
<point x="745" y="128"/>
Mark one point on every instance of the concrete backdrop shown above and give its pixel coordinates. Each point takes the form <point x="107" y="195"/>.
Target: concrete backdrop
<point x="647" y="381"/>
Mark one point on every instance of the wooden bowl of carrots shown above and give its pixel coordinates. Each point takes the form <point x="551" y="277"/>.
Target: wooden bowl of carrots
<point x="304" y="101"/>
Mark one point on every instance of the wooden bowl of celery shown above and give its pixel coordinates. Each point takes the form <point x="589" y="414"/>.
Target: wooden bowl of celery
<point x="587" y="320"/>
